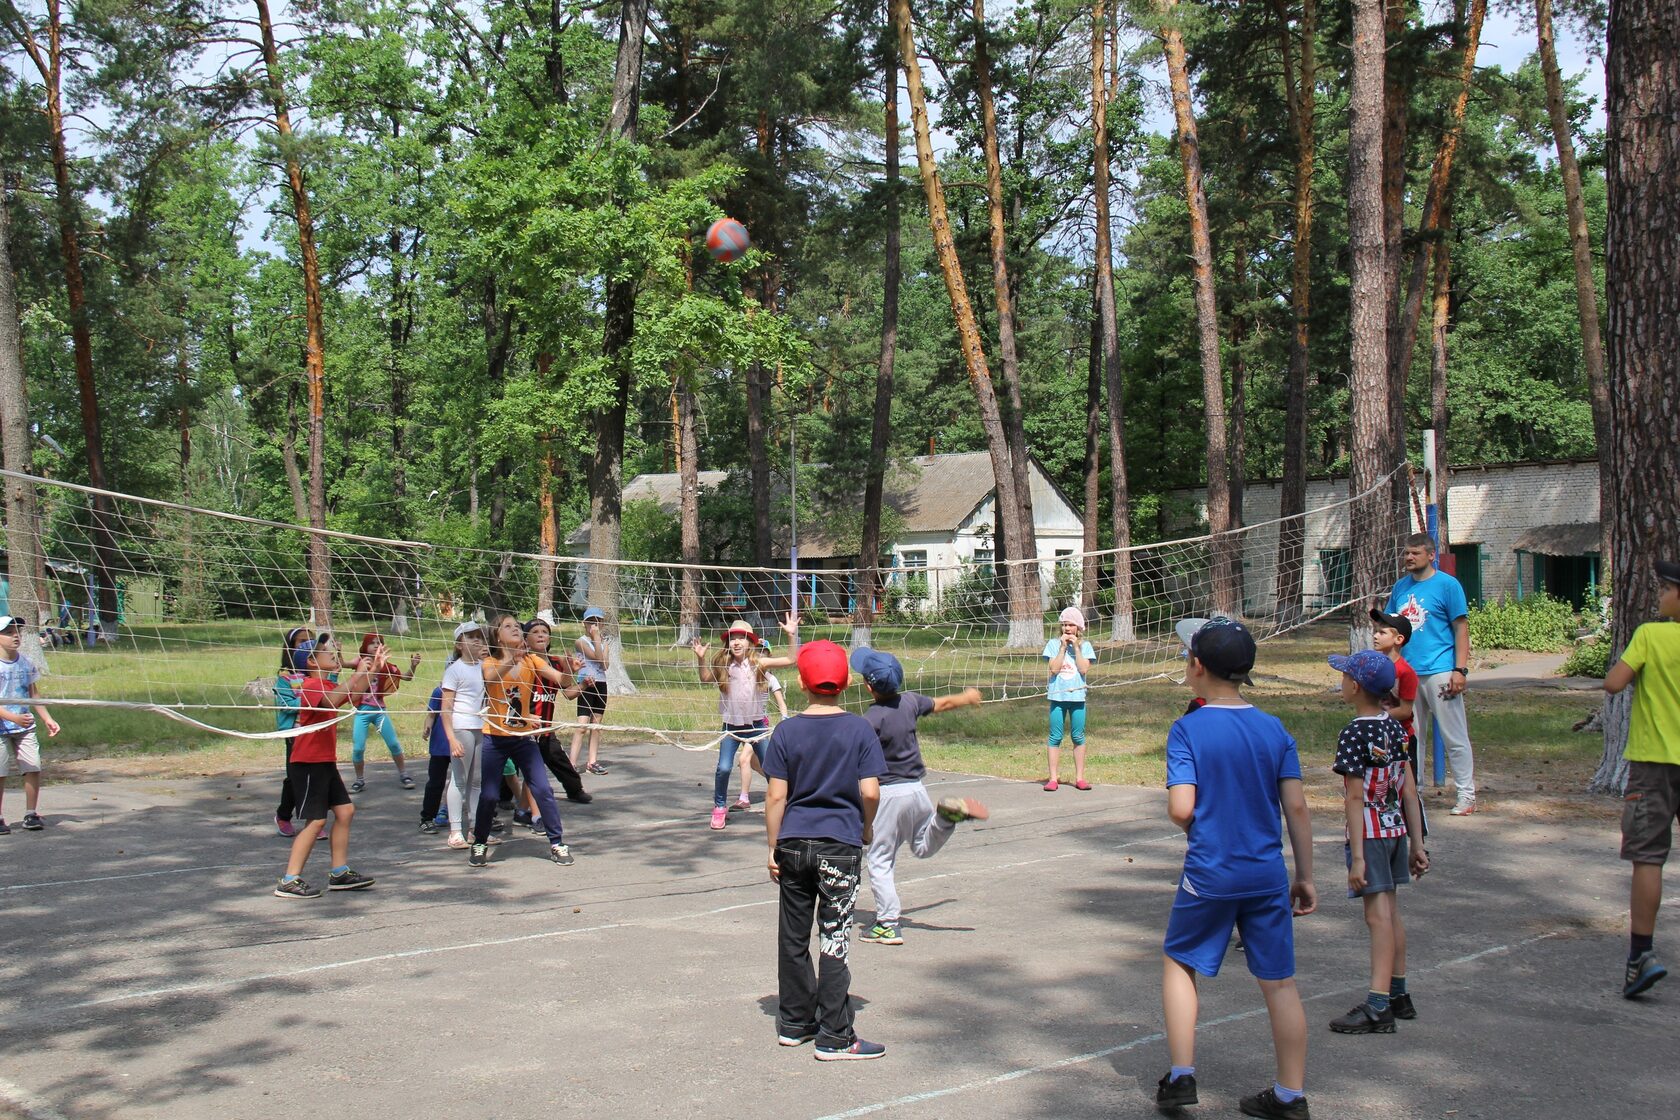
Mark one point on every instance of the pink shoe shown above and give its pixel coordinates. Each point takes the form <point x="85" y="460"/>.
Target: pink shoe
<point x="285" y="827"/>
<point x="1052" y="786"/>
<point x="741" y="806"/>
<point x="456" y="840"/>
<point x="1082" y="784"/>
<point x="720" y="817"/>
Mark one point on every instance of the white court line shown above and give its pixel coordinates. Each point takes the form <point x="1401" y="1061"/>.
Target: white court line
<point x="135" y="875"/>
<point x="409" y="954"/>
<point x="1080" y="1059"/>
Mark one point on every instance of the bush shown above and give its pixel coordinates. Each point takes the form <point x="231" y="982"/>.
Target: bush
<point x="1590" y="659"/>
<point x="1540" y="623"/>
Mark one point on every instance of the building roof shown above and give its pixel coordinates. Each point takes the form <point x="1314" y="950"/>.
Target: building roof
<point x="1575" y="539"/>
<point x="929" y="493"/>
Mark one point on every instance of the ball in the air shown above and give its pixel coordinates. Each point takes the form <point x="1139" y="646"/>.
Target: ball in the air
<point x="727" y="240"/>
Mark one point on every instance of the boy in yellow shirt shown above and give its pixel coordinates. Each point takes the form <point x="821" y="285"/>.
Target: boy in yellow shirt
<point x="1652" y="657"/>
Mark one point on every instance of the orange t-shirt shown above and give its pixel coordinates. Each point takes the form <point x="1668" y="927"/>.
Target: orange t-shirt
<point x="508" y="700"/>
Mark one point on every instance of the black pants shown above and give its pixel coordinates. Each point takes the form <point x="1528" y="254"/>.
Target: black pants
<point x="437" y="776"/>
<point x="288" y="795"/>
<point x="819" y="879"/>
<point x="559" y="764"/>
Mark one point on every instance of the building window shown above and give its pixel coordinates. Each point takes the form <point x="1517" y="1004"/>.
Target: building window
<point x="985" y="560"/>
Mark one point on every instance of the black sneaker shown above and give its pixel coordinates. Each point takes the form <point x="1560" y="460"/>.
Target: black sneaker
<point x="580" y="797"/>
<point x="859" y="1050"/>
<point x="429" y="827"/>
<point x="5" y="829"/>
<point x="561" y="854"/>
<point x="1642" y="972"/>
<point x="537" y="827"/>
<point x="480" y="855"/>
<point x="1363" y="1020"/>
<point x="1265" y="1104"/>
<point x="497" y="825"/>
<point x="295" y="888"/>
<point x="347" y="880"/>
<point x="1402" y="1006"/>
<point x="523" y="818"/>
<point x="1175" y="1092"/>
<point x="32" y="822"/>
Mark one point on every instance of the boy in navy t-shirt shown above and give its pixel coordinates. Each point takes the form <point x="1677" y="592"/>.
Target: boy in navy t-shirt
<point x="824" y="766"/>
<point x="437" y="762"/>
<point x="1231" y="769"/>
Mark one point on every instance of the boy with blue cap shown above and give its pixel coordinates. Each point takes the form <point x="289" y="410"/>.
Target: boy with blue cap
<point x="1384" y="834"/>
<point x="906" y="814"/>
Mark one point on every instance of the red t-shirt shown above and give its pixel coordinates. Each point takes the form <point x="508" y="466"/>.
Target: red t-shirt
<point x="320" y="745"/>
<point x="1405" y="688"/>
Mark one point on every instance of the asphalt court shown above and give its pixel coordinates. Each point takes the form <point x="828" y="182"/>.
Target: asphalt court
<point x="149" y="972"/>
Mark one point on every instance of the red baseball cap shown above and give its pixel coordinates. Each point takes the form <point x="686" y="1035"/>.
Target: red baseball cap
<point x="822" y="668"/>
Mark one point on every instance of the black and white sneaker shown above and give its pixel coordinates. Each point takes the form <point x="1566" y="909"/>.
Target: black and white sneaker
<point x="295" y="888"/>
<point x="1266" y="1105"/>
<point x="1175" y="1092"/>
<point x="497" y="825"/>
<point x="479" y="856"/>
<point x="5" y="829"/>
<point x="32" y="822"/>
<point x="347" y="880"/>
<point x="429" y="827"/>
<point x="859" y="1050"/>
<point x="561" y="854"/>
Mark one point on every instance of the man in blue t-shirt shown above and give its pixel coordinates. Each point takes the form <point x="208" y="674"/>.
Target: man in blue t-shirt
<point x="1433" y="602"/>
<point x="1231" y="770"/>
<point x="825" y="767"/>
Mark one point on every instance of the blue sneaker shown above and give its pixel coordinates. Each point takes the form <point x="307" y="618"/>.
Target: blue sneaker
<point x="858" y="1051"/>
<point x="1642" y="972"/>
<point x="442" y="818"/>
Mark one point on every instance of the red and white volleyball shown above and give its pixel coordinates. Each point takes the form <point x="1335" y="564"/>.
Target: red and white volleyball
<point x="727" y="240"/>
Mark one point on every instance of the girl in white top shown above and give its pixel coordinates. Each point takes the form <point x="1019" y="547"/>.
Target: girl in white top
<point x="774" y="687"/>
<point x="739" y="670"/>
<point x="463" y="725"/>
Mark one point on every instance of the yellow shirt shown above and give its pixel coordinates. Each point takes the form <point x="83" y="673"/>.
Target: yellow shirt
<point x="508" y="699"/>
<point x="1654" y="654"/>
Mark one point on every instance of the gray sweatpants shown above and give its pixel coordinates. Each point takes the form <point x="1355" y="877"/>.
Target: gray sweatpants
<point x="905" y="816"/>
<point x="1455" y="730"/>
<point x="464" y="779"/>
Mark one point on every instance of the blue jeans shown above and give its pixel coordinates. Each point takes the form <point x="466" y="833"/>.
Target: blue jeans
<point x="733" y="733"/>
<point x="527" y="759"/>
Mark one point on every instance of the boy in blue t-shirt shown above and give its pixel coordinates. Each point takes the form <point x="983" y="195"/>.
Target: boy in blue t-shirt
<point x="437" y="762"/>
<point x="824" y="766"/>
<point x="1231" y="769"/>
<point x="19" y="716"/>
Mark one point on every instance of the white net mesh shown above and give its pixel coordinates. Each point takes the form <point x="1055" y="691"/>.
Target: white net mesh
<point x="204" y="599"/>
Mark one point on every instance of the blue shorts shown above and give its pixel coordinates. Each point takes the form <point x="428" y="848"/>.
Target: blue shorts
<point x="1199" y="932"/>
<point x="1386" y="865"/>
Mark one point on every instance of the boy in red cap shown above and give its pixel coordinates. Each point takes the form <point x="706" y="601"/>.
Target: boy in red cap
<point x="824" y="766"/>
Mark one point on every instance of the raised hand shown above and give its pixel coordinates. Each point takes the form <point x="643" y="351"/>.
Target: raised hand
<point x="414" y="662"/>
<point x="790" y="625"/>
<point x="699" y="646"/>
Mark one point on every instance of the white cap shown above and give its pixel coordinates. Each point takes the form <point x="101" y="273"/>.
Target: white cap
<point x="1075" y="616"/>
<point x="7" y="621"/>
<point x="467" y="627"/>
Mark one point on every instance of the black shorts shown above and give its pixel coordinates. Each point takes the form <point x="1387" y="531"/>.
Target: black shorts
<point x="592" y="701"/>
<point x="1649" y="810"/>
<point x="318" y="787"/>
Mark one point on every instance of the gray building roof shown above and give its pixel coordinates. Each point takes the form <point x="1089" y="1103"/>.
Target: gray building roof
<point x="1575" y="539"/>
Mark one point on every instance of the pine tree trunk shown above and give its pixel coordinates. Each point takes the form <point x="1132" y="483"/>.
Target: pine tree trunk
<point x="688" y="473"/>
<point x="1642" y="325"/>
<point x="867" y="581"/>
<point x="1397" y="93"/>
<point x="1090" y="572"/>
<point x="23" y="542"/>
<point x="314" y="364"/>
<point x="1122" y="627"/>
<point x="1026" y="629"/>
<point x="1440" y="324"/>
<point x="1223" y="558"/>
<point x="1301" y="100"/>
<point x="1586" y="287"/>
<point x="548" y="519"/>
<point x="1372" y="549"/>
<point x="1239" y="406"/>
<point x="1014" y="418"/>
<point x="606" y="465"/>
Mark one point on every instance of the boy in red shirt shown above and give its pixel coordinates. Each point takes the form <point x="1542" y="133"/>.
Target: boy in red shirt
<point x="313" y="768"/>
<point x="1389" y="636"/>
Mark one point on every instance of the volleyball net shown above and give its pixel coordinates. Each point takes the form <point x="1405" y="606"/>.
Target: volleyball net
<point x="182" y="612"/>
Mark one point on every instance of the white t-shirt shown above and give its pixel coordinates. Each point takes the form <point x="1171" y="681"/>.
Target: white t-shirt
<point x="466" y="680"/>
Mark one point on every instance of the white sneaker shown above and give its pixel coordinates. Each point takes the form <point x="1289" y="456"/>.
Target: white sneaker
<point x="456" y="840"/>
<point x="1464" y="807"/>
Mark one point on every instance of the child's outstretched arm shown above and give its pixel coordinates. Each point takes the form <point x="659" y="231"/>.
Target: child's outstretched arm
<point x="413" y="664"/>
<point x="1298" y="820"/>
<point x="699" y="646"/>
<point x="963" y="699"/>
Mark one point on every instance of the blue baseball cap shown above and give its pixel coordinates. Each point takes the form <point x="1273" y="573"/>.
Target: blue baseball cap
<point x="881" y="671"/>
<point x="594" y="614"/>
<point x="301" y="653"/>
<point x="1371" y="670"/>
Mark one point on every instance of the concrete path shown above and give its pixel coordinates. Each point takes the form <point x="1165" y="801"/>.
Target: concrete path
<point x="149" y="972"/>
<point x="1536" y="672"/>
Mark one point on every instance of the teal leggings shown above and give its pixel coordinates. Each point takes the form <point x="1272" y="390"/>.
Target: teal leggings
<point x="1070" y="713"/>
<point x="367" y="717"/>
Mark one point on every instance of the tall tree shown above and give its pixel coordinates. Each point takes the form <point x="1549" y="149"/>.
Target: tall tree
<point x="1300" y="87"/>
<point x="1373" y="557"/>
<point x="1025" y="624"/>
<point x="314" y="357"/>
<point x="606" y="467"/>
<point x="1642" y="327"/>
<point x="1224" y="553"/>
<point x="23" y="543"/>
<point x="1586" y="287"/>
<point x="1112" y="376"/>
<point x="867" y="582"/>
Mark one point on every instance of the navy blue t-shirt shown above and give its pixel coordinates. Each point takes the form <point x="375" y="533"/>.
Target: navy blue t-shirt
<point x="894" y="720"/>
<point x="822" y="759"/>
<point x="1235" y="757"/>
<point x="438" y="743"/>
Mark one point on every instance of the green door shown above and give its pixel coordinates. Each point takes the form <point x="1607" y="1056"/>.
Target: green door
<point x="1468" y="560"/>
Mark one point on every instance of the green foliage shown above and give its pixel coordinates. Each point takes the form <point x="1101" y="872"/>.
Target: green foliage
<point x="1590" y="658"/>
<point x="1539" y="623"/>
